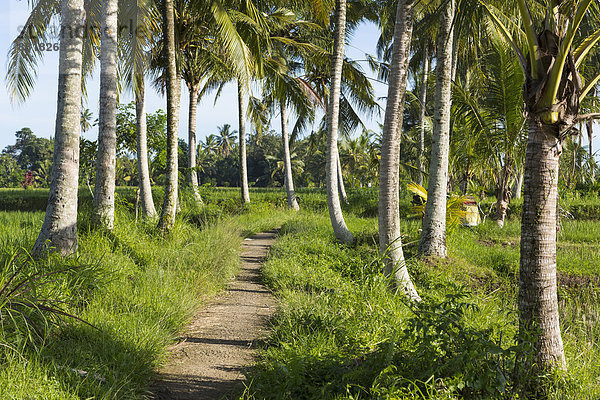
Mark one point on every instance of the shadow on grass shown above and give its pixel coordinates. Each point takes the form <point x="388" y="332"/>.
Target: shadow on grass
<point x="93" y="363"/>
<point x="119" y="245"/>
<point x="435" y="355"/>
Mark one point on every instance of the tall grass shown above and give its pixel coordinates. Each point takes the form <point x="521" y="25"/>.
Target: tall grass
<point x="136" y="288"/>
<point x="341" y="334"/>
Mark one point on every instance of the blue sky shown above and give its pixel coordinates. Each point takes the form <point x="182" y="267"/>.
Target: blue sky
<point x="39" y="111"/>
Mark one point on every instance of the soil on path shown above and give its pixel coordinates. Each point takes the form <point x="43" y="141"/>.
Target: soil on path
<point x="220" y="341"/>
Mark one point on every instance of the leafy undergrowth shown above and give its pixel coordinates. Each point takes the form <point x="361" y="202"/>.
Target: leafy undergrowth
<point x="136" y="290"/>
<point x="339" y="333"/>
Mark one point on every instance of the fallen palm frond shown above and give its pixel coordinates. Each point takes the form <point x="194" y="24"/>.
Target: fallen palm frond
<point x="29" y="303"/>
<point x="455" y="211"/>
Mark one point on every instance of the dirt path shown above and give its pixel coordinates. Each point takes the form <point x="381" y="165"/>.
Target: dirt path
<point x="220" y="341"/>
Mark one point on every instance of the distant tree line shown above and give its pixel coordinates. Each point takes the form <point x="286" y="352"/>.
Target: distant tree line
<point x="217" y="157"/>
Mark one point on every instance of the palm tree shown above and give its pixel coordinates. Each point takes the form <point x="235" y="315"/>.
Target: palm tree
<point x="422" y="114"/>
<point x="225" y="139"/>
<point x="242" y="138"/>
<point x="333" y="200"/>
<point x="433" y="235"/>
<point x="103" y="211"/>
<point x="86" y="118"/>
<point x="211" y="144"/>
<point x="278" y="158"/>
<point x="169" y="210"/>
<point x="490" y="114"/>
<point x="204" y="64"/>
<point x="148" y="209"/>
<point x="133" y="63"/>
<point x="59" y="230"/>
<point x="281" y="89"/>
<point x="289" y="179"/>
<point x="390" y="242"/>
<point x="552" y="94"/>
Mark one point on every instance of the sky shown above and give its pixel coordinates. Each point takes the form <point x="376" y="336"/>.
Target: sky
<point x="39" y="111"/>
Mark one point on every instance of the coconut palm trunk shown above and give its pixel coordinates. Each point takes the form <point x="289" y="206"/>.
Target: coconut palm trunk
<point x="341" y="186"/>
<point x="103" y="211"/>
<point x="193" y="175"/>
<point x="390" y="242"/>
<point x="590" y="131"/>
<point x="287" y="160"/>
<point x="503" y="193"/>
<point x="518" y="186"/>
<point x="333" y="200"/>
<point x="538" y="302"/>
<point x="422" y="114"/>
<point x="59" y="230"/>
<point x="169" y="209"/>
<point x="148" y="209"/>
<point x="433" y="236"/>
<point x="242" y="139"/>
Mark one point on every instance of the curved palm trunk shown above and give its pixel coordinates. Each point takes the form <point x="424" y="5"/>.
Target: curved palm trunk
<point x="287" y="160"/>
<point x="423" y="103"/>
<point x="148" y="209"/>
<point x="59" y="230"/>
<point x="341" y="186"/>
<point x="193" y="175"/>
<point x="333" y="201"/>
<point x="103" y="212"/>
<point x="169" y="210"/>
<point x="433" y="236"/>
<point x="538" y="303"/>
<point x="390" y="242"/>
<point x="242" y="138"/>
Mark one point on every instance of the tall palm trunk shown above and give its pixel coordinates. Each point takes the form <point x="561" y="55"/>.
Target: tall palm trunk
<point x="576" y="159"/>
<point x="518" y="186"/>
<point x="433" y="236"/>
<point x="590" y="132"/>
<point x="169" y="210"/>
<point x="538" y="303"/>
<point x="454" y="57"/>
<point x="341" y="186"/>
<point x="423" y="103"/>
<point x="242" y="138"/>
<point x="287" y="160"/>
<point x="503" y="192"/>
<point x="103" y="212"/>
<point x="390" y="242"/>
<point x="193" y="175"/>
<point x="333" y="200"/>
<point x="59" y="230"/>
<point x="148" y="209"/>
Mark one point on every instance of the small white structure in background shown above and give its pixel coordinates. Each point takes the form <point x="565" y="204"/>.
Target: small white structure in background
<point x="471" y="217"/>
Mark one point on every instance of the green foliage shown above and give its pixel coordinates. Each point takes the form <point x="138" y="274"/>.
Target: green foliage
<point x="33" y="299"/>
<point x="138" y="288"/>
<point x="340" y="334"/>
<point x="29" y="154"/>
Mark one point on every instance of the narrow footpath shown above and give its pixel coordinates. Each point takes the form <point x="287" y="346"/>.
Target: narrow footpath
<point x="221" y="340"/>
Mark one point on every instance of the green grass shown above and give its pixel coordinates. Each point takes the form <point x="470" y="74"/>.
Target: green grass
<point x="135" y="287"/>
<point x="340" y="334"/>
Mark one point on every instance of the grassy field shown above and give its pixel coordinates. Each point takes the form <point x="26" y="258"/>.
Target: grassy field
<point x="135" y="289"/>
<point x="338" y="334"/>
